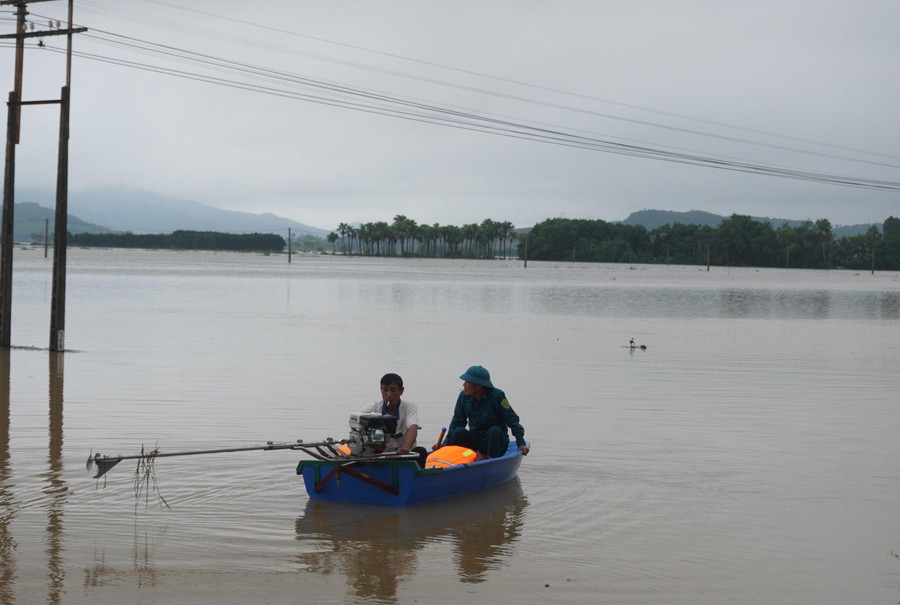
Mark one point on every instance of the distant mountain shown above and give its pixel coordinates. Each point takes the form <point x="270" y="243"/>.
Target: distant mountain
<point x="652" y="219"/>
<point x="145" y="212"/>
<point x="31" y="222"/>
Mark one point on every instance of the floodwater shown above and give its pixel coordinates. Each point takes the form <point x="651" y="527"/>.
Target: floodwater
<point x="749" y="454"/>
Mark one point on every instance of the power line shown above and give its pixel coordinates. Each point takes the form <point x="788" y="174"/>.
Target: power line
<point x="195" y="30"/>
<point x="380" y="104"/>
<point x="269" y="28"/>
<point x="348" y="97"/>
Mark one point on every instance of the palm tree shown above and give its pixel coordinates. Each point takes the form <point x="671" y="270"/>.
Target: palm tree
<point x="352" y="233"/>
<point x="489" y="232"/>
<point x="436" y="236"/>
<point x="469" y="233"/>
<point x="382" y="235"/>
<point x="822" y="233"/>
<point x="362" y="236"/>
<point x="403" y="229"/>
<point x="508" y="235"/>
<point x="342" y="229"/>
<point x="873" y="238"/>
<point x="425" y="236"/>
<point x="452" y="237"/>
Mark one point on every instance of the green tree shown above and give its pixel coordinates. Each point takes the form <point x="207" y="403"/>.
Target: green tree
<point x="343" y="229"/>
<point x="890" y="249"/>
<point x="823" y="234"/>
<point x="332" y="238"/>
<point x="508" y="233"/>
<point x="403" y="230"/>
<point x="382" y="235"/>
<point x="453" y="237"/>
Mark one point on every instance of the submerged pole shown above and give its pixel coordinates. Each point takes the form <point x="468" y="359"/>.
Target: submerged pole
<point x="526" y="252"/>
<point x="6" y="227"/>
<point x="60" y="240"/>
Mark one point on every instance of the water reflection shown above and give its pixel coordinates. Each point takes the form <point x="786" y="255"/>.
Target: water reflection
<point x="820" y="305"/>
<point x="7" y="508"/>
<point x="889" y="305"/>
<point x="143" y="563"/>
<point x="725" y="302"/>
<point x="56" y="488"/>
<point x="146" y="575"/>
<point x="376" y="547"/>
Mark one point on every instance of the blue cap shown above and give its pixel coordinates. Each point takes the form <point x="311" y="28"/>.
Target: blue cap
<point x="478" y="375"/>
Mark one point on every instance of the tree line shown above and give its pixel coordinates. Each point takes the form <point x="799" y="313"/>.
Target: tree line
<point x="737" y="241"/>
<point x="404" y="237"/>
<point x="183" y="240"/>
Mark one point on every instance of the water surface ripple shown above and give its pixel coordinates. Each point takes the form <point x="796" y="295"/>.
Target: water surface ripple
<point x="748" y="455"/>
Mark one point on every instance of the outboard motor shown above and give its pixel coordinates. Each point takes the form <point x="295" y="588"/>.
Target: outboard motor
<point x="370" y="432"/>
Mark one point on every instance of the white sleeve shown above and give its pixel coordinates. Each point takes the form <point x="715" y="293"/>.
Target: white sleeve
<point x="411" y="415"/>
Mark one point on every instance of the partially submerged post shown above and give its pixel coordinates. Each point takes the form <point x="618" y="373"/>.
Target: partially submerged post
<point x="60" y="232"/>
<point x="527" y="237"/>
<point x="57" y="319"/>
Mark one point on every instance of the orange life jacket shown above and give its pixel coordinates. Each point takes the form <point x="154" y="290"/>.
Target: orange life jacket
<point x="452" y="455"/>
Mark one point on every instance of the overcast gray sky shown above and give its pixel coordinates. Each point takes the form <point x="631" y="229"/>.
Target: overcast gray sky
<point x="810" y="86"/>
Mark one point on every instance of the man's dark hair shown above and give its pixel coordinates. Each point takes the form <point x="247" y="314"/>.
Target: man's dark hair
<point x="389" y="379"/>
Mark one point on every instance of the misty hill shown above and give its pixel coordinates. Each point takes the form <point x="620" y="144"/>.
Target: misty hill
<point x="652" y="219"/>
<point x="30" y="223"/>
<point x="143" y="212"/>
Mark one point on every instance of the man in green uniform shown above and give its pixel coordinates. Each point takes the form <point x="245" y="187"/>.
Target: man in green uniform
<point x="488" y="414"/>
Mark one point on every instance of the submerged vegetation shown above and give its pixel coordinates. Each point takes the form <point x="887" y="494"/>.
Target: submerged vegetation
<point x="737" y="241"/>
<point x="183" y="240"/>
<point x="404" y="237"/>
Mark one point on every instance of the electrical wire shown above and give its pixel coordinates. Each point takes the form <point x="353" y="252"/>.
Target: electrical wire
<point x="421" y="112"/>
<point x="269" y="28"/>
<point x="245" y="41"/>
<point x="358" y="99"/>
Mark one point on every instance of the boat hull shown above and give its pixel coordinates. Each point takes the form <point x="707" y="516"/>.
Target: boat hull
<point x="402" y="482"/>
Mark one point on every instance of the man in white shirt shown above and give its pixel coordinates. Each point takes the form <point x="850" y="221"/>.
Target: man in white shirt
<point x="406" y="413"/>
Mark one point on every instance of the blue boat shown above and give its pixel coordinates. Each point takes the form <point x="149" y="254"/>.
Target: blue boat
<point x="402" y="482"/>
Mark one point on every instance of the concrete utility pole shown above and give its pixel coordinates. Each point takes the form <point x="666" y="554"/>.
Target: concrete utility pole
<point x="14" y="119"/>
